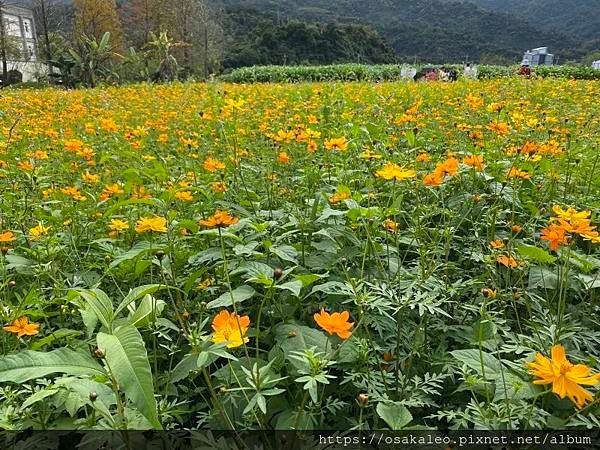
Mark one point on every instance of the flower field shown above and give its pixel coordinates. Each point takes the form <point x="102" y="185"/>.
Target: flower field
<point x="309" y="256"/>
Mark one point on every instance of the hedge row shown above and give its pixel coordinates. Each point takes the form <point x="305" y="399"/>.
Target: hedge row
<point x="384" y="72"/>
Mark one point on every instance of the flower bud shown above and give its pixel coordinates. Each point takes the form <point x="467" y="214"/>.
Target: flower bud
<point x="277" y="273"/>
<point x="362" y="399"/>
<point x="93" y="396"/>
<point x="489" y="293"/>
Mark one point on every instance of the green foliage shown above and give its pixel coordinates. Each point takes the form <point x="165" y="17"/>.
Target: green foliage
<point x="387" y="72"/>
<point x="259" y="39"/>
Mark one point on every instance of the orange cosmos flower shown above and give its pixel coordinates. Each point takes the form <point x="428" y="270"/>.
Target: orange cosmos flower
<point x="433" y="179"/>
<point x="212" y="165"/>
<point x="390" y="225"/>
<point x="219" y="219"/>
<point x="448" y="167"/>
<point x="336" y="323"/>
<point x="110" y="190"/>
<point x="311" y="147"/>
<point x="22" y="327"/>
<point x="230" y="328"/>
<point x="336" y="144"/>
<point x="507" y="261"/>
<point x="90" y="178"/>
<point x="283" y="158"/>
<point x="423" y="157"/>
<point x="517" y="173"/>
<point x="7" y="236"/>
<point x="555" y="235"/>
<point x="500" y="128"/>
<point x="475" y="161"/>
<point x="564" y="376"/>
<point x="497" y="244"/>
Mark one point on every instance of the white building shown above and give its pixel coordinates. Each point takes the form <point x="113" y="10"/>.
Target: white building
<point x="20" y="42"/>
<point x="538" y="57"/>
<point x="596" y="65"/>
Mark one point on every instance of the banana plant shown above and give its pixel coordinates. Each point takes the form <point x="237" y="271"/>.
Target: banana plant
<point x="121" y="357"/>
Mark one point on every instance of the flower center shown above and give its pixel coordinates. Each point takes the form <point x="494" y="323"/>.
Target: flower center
<point x="565" y="367"/>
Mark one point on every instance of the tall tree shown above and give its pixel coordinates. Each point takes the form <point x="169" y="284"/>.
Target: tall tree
<point x="93" y="18"/>
<point x="193" y="25"/>
<point x="51" y="16"/>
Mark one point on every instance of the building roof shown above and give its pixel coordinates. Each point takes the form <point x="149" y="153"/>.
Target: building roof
<point x="11" y="8"/>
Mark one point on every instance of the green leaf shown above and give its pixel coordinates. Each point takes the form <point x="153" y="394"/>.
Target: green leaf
<point x="147" y="311"/>
<point x="285" y="252"/>
<point x="128" y="361"/>
<point x="137" y="293"/>
<point x="394" y="414"/>
<point x="539" y="277"/>
<point x="293" y="338"/>
<point x="98" y="302"/>
<point x="39" y="396"/>
<point x="29" y="365"/>
<point x="480" y="362"/>
<point x="293" y="286"/>
<point x="184" y="368"/>
<point x="56" y="335"/>
<point x="308" y="279"/>
<point x="536" y="254"/>
<point x="238" y="295"/>
<point x="138" y="250"/>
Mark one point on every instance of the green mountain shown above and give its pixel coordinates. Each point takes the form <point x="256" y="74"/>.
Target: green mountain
<point x="573" y="17"/>
<point x="436" y="30"/>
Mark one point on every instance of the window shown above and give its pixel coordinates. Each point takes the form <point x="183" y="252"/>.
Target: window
<point x="12" y="26"/>
<point x="31" y="51"/>
<point x="27" y="28"/>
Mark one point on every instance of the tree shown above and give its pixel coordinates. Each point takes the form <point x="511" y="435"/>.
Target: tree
<point x="94" y="18"/>
<point x="192" y="23"/>
<point x="51" y="17"/>
<point x="143" y="17"/>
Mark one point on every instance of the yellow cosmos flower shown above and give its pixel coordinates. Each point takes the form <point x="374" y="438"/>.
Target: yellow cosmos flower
<point x="393" y="171"/>
<point x="157" y="224"/>
<point x="38" y="231"/>
<point x="118" y="225"/>
<point x="336" y="144"/>
<point x="212" y="165"/>
<point x="566" y="378"/>
<point x="185" y="196"/>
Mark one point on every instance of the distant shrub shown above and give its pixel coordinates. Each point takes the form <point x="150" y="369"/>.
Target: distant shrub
<point x="385" y="72"/>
